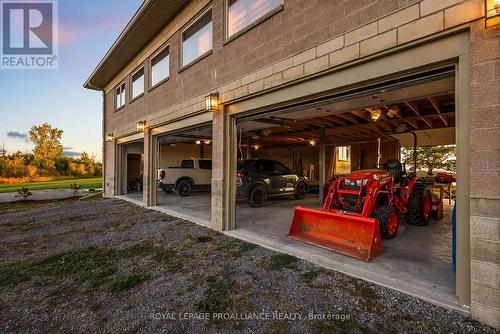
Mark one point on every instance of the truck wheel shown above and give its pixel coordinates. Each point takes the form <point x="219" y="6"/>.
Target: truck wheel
<point x="184" y="188"/>
<point x="388" y="221"/>
<point x="257" y="196"/>
<point x="301" y="190"/>
<point x="419" y="205"/>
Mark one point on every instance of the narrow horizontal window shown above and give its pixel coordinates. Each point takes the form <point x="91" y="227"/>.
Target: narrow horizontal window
<point x="242" y="13"/>
<point x="120" y="96"/>
<point x="138" y="83"/>
<point x="160" y="67"/>
<point x="197" y="39"/>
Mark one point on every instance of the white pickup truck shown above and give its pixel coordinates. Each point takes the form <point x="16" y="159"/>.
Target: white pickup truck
<point x="192" y="174"/>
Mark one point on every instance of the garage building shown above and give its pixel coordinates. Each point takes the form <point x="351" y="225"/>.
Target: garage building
<point x="194" y="91"/>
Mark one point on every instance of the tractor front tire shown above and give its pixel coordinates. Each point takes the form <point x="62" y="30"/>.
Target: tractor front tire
<point x="419" y="206"/>
<point x="388" y="221"/>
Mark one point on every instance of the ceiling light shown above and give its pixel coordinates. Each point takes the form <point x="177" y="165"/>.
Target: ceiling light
<point x="207" y="142"/>
<point x="266" y="132"/>
<point x="198" y="142"/>
<point x="256" y="147"/>
<point x="312" y="142"/>
<point x="375" y="114"/>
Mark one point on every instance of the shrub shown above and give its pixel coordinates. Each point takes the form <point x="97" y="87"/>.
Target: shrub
<point x="24" y="193"/>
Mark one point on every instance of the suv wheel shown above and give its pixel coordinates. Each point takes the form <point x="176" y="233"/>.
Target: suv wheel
<point x="257" y="196"/>
<point x="301" y="191"/>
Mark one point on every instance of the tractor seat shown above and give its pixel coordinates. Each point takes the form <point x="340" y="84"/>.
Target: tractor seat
<point x="394" y="168"/>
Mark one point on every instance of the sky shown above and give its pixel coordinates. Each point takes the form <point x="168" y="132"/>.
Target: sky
<point x="87" y="29"/>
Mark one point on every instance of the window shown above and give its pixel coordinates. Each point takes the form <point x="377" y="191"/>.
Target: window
<point x="138" y="83"/>
<point x="205" y="164"/>
<point x="187" y="164"/>
<point x="265" y="166"/>
<point x="160" y="67"/>
<point x="280" y="168"/>
<point x="120" y="96"/>
<point x="242" y="13"/>
<point x="197" y="39"/>
<point x="343" y="153"/>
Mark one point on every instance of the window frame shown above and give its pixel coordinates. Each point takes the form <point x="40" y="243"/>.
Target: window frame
<point x="347" y="159"/>
<point x="228" y="39"/>
<point x="119" y="86"/>
<point x="150" y="67"/>
<point x="131" y="84"/>
<point x="192" y="22"/>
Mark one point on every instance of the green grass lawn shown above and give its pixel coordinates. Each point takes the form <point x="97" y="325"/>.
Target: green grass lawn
<point x="87" y="183"/>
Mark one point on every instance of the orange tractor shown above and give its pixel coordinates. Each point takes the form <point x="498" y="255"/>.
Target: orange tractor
<point x="362" y="208"/>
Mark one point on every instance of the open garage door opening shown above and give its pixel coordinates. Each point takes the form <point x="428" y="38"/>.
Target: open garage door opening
<point x="334" y="153"/>
<point x="132" y="170"/>
<point x="184" y="174"/>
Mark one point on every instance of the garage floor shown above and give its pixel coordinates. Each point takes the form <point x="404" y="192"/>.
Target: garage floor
<point x="195" y="208"/>
<point x="418" y="261"/>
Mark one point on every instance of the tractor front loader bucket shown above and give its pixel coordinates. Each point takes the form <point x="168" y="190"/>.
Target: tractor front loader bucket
<point x="351" y="235"/>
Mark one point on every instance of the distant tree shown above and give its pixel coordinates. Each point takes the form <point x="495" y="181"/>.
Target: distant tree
<point x="62" y="165"/>
<point x="48" y="146"/>
<point x="432" y="157"/>
<point x="15" y="166"/>
<point x="88" y="162"/>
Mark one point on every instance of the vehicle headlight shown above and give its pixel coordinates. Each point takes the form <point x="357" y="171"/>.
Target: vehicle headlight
<point x="363" y="182"/>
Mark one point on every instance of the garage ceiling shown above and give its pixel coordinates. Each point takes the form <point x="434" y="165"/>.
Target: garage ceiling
<point x="429" y="106"/>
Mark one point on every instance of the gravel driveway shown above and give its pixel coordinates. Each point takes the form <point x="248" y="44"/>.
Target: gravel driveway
<point x="108" y="266"/>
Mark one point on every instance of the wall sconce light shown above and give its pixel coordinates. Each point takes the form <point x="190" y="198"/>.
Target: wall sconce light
<point x="312" y="142"/>
<point x="207" y="142"/>
<point x="212" y="102"/>
<point x="141" y="126"/>
<point x="198" y="142"/>
<point x="491" y="13"/>
<point x="256" y="147"/>
<point x="110" y="137"/>
<point x="375" y="114"/>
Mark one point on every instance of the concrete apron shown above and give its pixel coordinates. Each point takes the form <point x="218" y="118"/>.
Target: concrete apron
<point x="327" y="259"/>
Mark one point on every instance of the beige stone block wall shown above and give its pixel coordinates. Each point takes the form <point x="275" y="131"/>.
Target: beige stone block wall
<point x="485" y="172"/>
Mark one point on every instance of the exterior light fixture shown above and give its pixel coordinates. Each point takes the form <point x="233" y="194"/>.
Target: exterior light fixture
<point x="312" y="142"/>
<point x="141" y="126"/>
<point x="256" y="147"/>
<point x="212" y="102"/>
<point x="110" y="137"/>
<point x="207" y="142"/>
<point x="375" y="114"/>
<point x="198" y="142"/>
<point x="491" y="13"/>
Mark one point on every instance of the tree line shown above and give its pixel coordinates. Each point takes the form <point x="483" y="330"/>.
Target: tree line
<point x="46" y="159"/>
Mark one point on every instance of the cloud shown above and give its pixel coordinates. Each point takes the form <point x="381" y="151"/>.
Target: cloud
<point x="71" y="154"/>
<point x="18" y="135"/>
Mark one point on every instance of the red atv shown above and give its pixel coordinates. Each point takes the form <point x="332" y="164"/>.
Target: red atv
<point x="363" y="207"/>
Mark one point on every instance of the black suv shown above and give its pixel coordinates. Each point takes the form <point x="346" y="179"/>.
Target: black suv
<point x="259" y="179"/>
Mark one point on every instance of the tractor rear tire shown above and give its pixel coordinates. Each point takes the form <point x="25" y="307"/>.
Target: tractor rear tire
<point x="418" y="205"/>
<point x="388" y="221"/>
